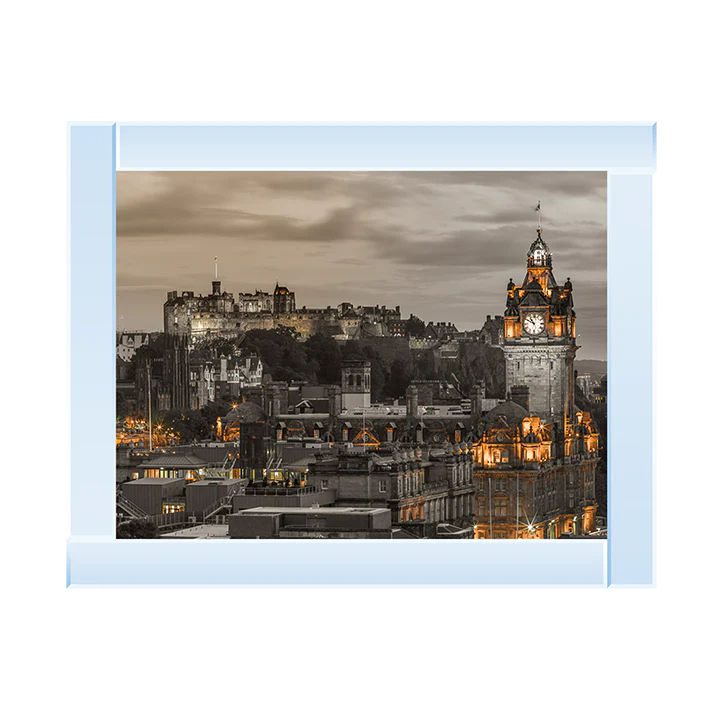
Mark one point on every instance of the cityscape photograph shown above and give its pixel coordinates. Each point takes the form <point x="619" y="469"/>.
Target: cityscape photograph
<point x="361" y="355"/>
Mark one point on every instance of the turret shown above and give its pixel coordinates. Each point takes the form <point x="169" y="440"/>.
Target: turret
<point x="356" y="383"/>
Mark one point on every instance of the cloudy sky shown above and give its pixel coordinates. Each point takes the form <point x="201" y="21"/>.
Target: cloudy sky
<point x="442" y="245"/>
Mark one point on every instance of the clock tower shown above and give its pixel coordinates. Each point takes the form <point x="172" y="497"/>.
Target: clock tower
<point x="539" y="338"/>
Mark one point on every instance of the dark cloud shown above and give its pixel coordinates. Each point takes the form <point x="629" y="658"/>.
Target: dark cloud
<point x="440" y="244"/>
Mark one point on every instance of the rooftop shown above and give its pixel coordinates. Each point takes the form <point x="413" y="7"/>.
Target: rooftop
<point x="174" y="461"/>
<point x="312" y="510"/>
<point x="211" y="481"/>
<point x="200" y="532"/>
<point x="153" y="481"/>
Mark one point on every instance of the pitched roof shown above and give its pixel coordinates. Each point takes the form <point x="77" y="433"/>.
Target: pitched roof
<point x="509" y="413"/>
<point x="174" y="461"/>
<point x="246" y="412"/>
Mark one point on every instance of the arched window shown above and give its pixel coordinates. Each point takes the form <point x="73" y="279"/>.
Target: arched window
<point x="500" y="507"/>
<point x="358" y="380"/>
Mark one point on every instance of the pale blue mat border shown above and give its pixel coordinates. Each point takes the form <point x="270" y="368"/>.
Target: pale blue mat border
<point x="626" y="151"/>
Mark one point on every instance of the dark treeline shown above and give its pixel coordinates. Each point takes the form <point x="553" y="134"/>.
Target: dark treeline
<point x="318" y="360"/>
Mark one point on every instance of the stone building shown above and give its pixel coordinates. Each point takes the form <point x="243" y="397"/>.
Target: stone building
<point x="221" y="314"/>
<point x="128" y="342"/>
<point x="247" y="425"/>
<point x="493" y="330"/>
<point x="539" y="337"/>
<point x="211" y="379"/>
<point x="284" y="300"/>
<point x="537" y="452"/>
<point x="420" y="485"/>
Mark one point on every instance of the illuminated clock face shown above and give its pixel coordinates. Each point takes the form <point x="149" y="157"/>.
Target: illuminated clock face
<point x="534" y="324"/>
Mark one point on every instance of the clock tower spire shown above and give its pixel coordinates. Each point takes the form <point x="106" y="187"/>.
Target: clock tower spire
<point x="539" y="337"/>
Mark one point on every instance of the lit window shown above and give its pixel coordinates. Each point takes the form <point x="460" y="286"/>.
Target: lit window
<point x="500" y="508"/>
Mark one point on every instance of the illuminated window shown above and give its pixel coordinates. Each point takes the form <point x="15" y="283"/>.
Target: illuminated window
<point x="500" y="508"/>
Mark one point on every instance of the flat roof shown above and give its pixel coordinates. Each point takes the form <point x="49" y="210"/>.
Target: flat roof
<point x="199" y="532"/>
<point x="210" y="481"/>
<point x="311" y="510"/>
<point x="171" y="460"/>
<point x="153" y="480"/>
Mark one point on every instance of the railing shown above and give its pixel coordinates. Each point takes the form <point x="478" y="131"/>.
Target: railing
<point x="218" y="505"/>
<point x="277" y="491"/>
<point x="129" y="507"/>
<point x="171" y="519"/>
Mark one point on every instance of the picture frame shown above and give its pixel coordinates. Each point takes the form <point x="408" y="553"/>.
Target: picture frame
<point x="626" y="152"/>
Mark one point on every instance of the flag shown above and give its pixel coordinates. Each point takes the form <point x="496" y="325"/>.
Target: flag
<point x="537" y="208"/>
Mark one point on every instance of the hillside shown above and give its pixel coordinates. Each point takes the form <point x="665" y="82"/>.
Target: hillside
<point x="591" y="366"/>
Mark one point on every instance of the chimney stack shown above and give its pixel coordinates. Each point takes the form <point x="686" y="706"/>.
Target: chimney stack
<point x="521" y="395"/>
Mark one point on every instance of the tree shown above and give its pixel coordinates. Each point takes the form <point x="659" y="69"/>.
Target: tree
<point x="324" y="354"/>
<point x="414" y="326"/>
<point x="400" y="375"/>
<point x="121" y="406"/>
<point x="136" y="530"/>
<point x="189" y="425"/>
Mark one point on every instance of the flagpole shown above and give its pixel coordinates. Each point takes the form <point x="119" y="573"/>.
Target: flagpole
<point x="517" y="519"/>
<point x="150" y="421"/>
<point x="489" y="500"/>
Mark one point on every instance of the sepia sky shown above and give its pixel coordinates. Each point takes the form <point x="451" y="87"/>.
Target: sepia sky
<point x="442" y="245"/>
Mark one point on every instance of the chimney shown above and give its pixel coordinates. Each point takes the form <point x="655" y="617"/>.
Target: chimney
<point x="412" y="401"/>
<point x="521" y="395"/>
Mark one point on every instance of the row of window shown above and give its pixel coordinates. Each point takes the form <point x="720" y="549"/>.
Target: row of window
<point x="383" y="485"/>
<point x="537" y="362"/>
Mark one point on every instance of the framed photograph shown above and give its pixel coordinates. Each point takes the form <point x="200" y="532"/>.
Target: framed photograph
<point x="361" y="354"/>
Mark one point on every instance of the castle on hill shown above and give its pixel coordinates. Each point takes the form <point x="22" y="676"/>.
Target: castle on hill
<point x="222" y="314"/>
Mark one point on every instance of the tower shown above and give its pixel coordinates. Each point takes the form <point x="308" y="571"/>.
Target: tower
<point x="539" y="338"/>
<point x="356" y="383"/>
<point x="177" y="370"/>
<point x="284" y="300"/>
